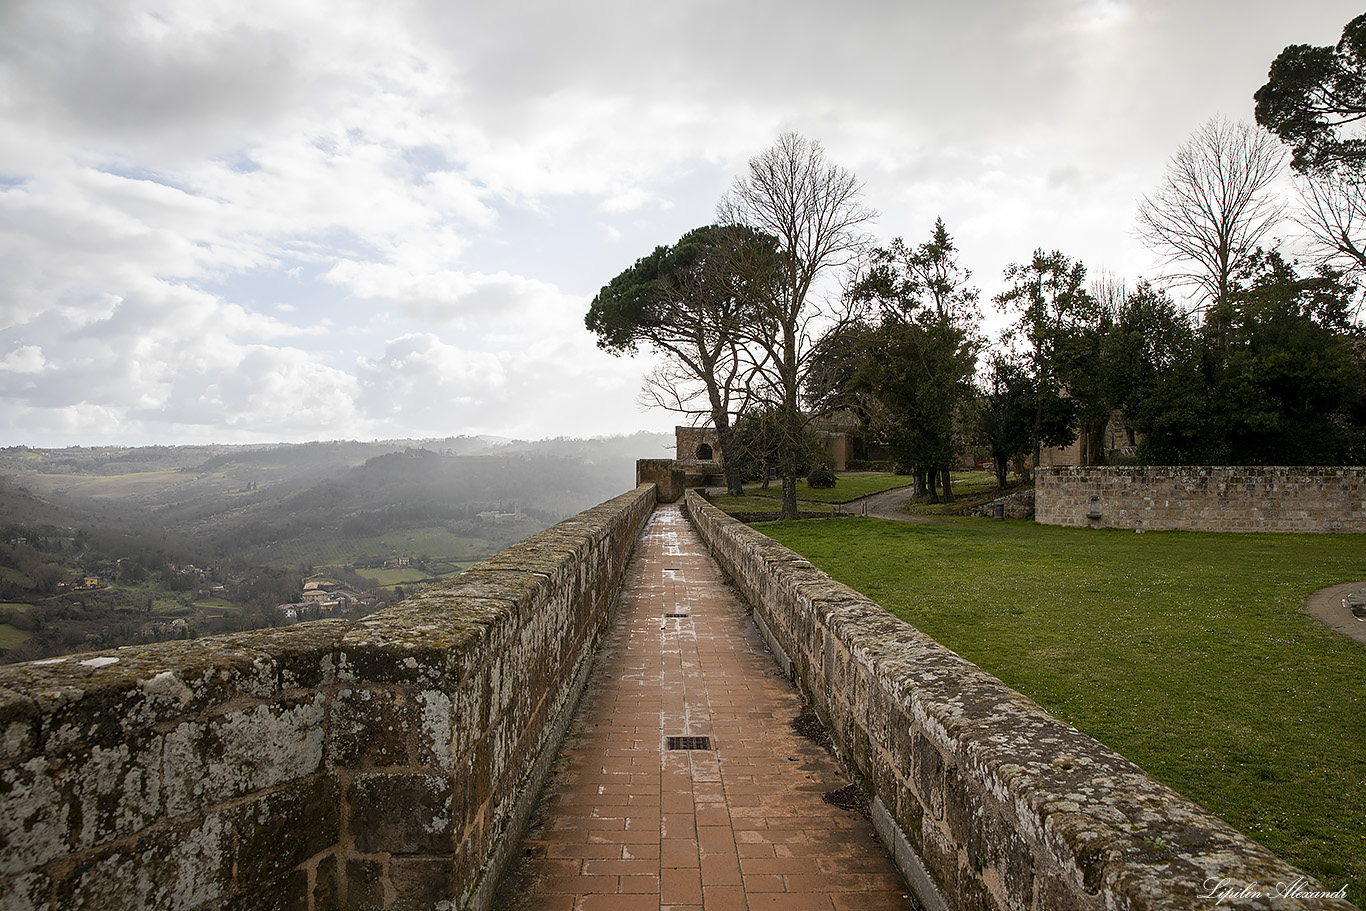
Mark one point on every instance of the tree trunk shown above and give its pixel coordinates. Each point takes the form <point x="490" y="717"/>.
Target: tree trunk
<point x="725" y="439"/>
<point x="730" y="467"/>
<point x="792" y="422"/>
<point x="948" y="486"/>
<point x="789" y="494"/>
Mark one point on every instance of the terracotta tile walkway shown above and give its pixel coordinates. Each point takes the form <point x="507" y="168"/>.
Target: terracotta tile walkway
<point x="627" y="824"/>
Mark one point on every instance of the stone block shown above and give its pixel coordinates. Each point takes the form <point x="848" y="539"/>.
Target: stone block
<point x="35" y="817"/>
<point x="170" y="868"/>
<point x="247" y="750"/>
<point x="18" y="727"/>
<point x="278" y="833"/>
<point x="371" y="727"/>
<point x="422" y="883"/>
<point x="327" y="880"/>
<point x="400" y="813"/>
<point x="304" y="655"/>
<point x="365" y="883"/>
<point x="28" y="892"/>
<point x="289" y="893"/>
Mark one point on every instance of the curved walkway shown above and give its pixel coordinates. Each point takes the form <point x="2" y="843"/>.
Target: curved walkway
<point x="626" y="823"/>
<point x="1332" y="607"/>
<point x="885" y="505"/>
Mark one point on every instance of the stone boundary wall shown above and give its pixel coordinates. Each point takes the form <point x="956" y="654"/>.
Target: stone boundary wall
<point x="1251" y="499"/>
<point x="1018" y="505"/>
<point x="387" y="762"/>
<point x="987" y="801"/>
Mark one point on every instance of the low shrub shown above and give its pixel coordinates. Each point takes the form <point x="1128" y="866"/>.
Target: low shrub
<point x="820" y="477"/>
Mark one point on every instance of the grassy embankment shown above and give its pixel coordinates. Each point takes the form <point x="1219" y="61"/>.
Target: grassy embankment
<point x="971" y="489"/>
<point x="1189" y="653"/>
<point x="849" y="487"/>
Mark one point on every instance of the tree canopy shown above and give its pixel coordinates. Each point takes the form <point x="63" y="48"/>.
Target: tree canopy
<point x="1281" y="381"/>
<point x="689" y="303"/>
<point x="909" y="373"/>
<point x="1313" y="95"/>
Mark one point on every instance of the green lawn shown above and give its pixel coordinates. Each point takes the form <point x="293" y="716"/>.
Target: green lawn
<point x="764" y="504"/>
<point x="971" y="490"/>
<point x="848" y="487"/>
<point x="1189" y="653"/>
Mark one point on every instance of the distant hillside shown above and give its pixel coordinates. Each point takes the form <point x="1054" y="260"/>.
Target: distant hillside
<point x="110" y="546"/>
<point x="212" y="492"/>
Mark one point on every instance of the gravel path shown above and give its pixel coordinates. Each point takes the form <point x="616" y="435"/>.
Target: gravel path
<point x="885" y="505"/>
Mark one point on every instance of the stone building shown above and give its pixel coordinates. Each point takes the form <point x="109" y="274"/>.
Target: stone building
<point x="1116" y="438"/>
<point x="696" y="444"/>
<point x="840" y="434"/>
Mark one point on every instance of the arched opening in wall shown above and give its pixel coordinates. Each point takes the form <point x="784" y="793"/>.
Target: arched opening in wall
<point x="704" y="451"/>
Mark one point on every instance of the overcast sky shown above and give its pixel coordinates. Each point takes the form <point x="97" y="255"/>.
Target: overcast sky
<point x="284" y="220"/>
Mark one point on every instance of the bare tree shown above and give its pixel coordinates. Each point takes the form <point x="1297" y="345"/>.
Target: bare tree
<point x="1214" y="206"/>
<point x="815" y="211"/>
<point x="1334" y="215"/>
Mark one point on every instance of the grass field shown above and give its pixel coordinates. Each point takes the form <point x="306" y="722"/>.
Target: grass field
<point x="811" y="499"/>
<point x="10" y="637"/>
<point x="13" y="575"/>
<point x="116" y="487"/>
<point x="847" y="487"/>
<point x="764" y="504"/>
<point x="1189" y="653"/>
<point x="391" y="577"/>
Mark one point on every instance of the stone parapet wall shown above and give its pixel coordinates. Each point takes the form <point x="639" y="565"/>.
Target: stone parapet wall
<point x="668" y="476"/>
<point x="987" y="801"/>
<point x="387" y="762"/>
<point x="1248" y="499"/>
<point x="672" y="477"/>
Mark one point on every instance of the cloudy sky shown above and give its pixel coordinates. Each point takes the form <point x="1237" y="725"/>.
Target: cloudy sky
<point x="285" y="220"/>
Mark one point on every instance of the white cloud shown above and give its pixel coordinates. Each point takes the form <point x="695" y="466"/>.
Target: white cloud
<point x="254" y="219"/>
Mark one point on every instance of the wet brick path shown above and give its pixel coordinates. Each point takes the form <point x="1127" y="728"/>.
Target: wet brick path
<point x="628" y="824"/>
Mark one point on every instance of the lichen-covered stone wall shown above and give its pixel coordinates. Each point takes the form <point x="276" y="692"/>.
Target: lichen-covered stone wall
<point x="387" y="762"/>
<point x="987" y="801"/>
<point x="1247" y="499"/>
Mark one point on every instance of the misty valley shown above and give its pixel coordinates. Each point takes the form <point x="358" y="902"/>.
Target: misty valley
<point x="108" y="546"/>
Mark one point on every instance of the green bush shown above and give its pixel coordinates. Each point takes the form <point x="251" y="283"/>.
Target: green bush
<point x="820" y="477"/>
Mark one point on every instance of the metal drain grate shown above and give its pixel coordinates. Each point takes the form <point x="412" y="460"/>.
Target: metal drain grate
<point x="687" y="743"/>
<point x="677" y="615"/>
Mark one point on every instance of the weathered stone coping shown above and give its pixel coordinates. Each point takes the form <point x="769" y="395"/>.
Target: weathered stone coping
<point x="979" y="790"/>
<point x="384" y="762"/>
<point x="1204" y="498"/>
